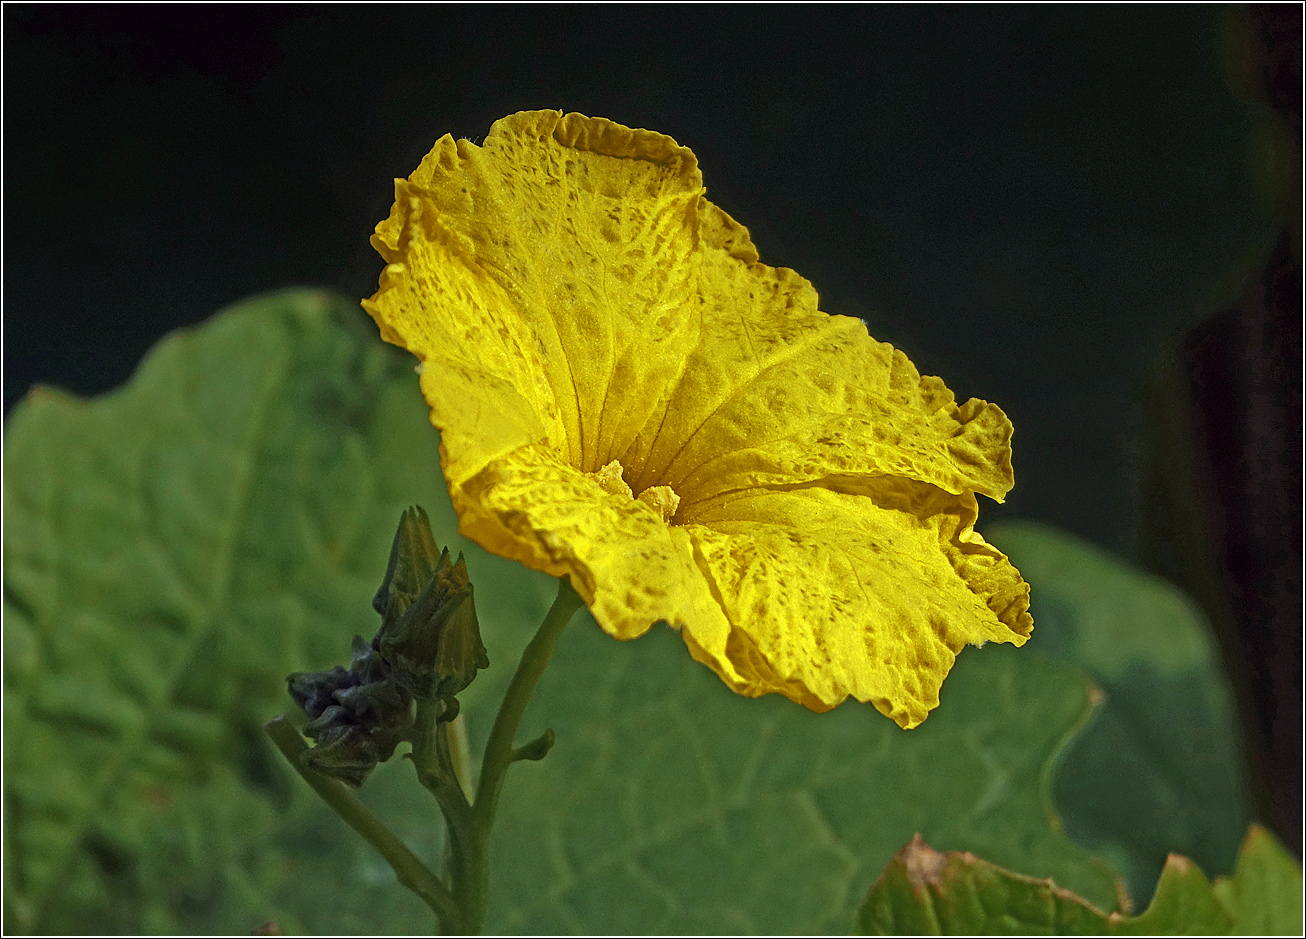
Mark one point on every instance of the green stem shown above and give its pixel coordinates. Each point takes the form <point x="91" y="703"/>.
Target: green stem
<point x="408" y="868"/>
<point x="499" y="752"/>
<point x="460" y="755"/>
<point x="471" y="884"/>
<point x="435" y="771"/>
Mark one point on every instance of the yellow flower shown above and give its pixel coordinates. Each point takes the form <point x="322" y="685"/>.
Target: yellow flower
<point x="627" y="396"/>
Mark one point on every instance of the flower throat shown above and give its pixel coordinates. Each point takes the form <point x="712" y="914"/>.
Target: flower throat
<point x="661" y="499"/>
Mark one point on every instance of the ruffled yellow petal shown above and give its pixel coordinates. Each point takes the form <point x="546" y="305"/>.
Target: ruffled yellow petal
<point x="845" y="591"/>
<point x="559" y="260"/>
<point x="777" y="392"/>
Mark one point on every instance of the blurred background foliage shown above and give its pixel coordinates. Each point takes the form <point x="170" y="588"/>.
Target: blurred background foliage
<point x="1089" y="215"/>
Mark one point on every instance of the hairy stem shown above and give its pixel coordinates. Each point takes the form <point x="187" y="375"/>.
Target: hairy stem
<point x="408" y="868"/>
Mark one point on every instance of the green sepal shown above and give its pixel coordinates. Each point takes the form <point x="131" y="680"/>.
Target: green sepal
<point x="429" y="635"/>
<point x="414" y="559"/>
<point x="537" y="749"/>
<point x="450" y="711"/>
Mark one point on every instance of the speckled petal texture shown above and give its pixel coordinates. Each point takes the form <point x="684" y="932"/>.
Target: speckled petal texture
<point x="793" y="495"/>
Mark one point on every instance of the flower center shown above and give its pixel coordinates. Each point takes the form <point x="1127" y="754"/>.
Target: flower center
<point x="661" y="499"/>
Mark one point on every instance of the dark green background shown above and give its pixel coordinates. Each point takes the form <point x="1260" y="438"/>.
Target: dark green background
<point x="1029" y="201"/>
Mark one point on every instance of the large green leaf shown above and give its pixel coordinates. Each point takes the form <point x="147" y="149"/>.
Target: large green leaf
<point x="671" y="805"/>
<point x="1160" y="769"/>
<point x="173" y="550"/>
<point x="927" y="892"/>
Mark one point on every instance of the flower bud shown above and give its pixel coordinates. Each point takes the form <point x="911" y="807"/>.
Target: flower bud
<point x="429" y="645"/>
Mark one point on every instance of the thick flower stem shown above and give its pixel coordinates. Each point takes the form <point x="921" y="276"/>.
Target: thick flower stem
<point x="410" y="871"/>
<point x="433" y="760"/>
<point x="471" y="858"/>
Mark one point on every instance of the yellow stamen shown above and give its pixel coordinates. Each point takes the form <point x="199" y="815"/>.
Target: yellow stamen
<point x="661" y="499"/>
<point x="610" y="481"/>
